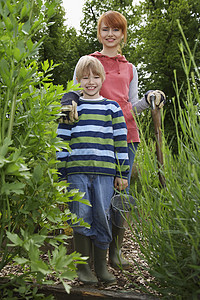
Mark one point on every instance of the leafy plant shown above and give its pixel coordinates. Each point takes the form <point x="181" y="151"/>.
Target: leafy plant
<point x="33" y="202"/>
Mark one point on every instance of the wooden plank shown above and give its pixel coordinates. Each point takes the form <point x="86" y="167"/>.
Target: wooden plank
<point x="89" y="293"/>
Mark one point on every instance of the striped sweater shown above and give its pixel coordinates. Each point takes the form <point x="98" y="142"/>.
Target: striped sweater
<point x="98" y="140"/>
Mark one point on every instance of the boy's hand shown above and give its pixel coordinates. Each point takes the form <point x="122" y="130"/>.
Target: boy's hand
<point x="120" y="183"/>
<point x="69" y="113"/>
<point x="69" y="108"/>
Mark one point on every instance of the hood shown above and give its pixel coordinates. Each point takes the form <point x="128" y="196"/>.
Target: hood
<point x="110" y="61"/>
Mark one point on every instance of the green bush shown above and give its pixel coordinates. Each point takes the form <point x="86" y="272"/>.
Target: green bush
<point x="33" y="203"/>
<point x="167" y="223"/>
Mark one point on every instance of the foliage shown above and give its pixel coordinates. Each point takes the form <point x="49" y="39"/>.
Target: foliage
<point x="33" y="203"/>
<point x="167" y="223"/>
<point x="159" y="37"/>
<point x="61" y="44"/>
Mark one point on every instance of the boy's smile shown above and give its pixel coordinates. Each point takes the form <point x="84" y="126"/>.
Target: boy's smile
<point x="91" y="85"/>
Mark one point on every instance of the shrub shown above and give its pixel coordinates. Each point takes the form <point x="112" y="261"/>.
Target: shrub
<point x="33" y="203"/>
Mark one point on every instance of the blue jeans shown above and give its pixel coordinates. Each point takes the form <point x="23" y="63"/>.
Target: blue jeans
<point x="98" y="190"/>
<point x="132" y="148"/>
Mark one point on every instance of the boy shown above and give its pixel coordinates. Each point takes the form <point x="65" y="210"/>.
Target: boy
<point x="97" y="163"/>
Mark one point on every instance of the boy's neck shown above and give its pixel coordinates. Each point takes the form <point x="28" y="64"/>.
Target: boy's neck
<point x="87" y="97"/>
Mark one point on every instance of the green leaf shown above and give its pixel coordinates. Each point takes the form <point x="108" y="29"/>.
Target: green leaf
<point x="32" y="250"/>
<point x="45" y="65"/>
<point x="8" y="24"/>
<point x="13" y="188"/>
<point x="3" y="161"/>
<point x="29" y="44"/>
<point x="14" y="238"/>
<point x="22" y="289"/>
<point x="4" y="149"/>
<point x="38" y="239"/>
<point x="69" y="274"/>
<point x="66" y="286"/>
<point x="73" y="87"/>
<point x="10" y="7"/>
<point x="12" y="168"/>
<point x="37" y="173"/>
<point x="21" y="260"/>
<point x="16" y="54"/>
<point x="26" y="27"/>
<point x="40" y="266"/>
<point x="4" y="67"/>
<point x="23" y="12"/>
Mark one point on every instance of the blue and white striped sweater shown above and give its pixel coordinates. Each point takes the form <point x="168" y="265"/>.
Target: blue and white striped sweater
<point x="97" y="140"/>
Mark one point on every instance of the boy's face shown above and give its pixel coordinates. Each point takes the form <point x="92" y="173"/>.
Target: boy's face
<point x="91" y="85"/>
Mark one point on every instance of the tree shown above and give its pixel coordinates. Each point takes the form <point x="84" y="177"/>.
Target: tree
<point x="158" y="50"/>
<point x="159" y="38"/>
<point x="58" y="42"/>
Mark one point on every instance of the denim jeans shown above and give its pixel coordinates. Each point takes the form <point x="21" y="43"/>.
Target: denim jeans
<point x="98" y="190"/>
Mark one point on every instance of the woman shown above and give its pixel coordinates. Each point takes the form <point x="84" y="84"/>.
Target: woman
<point x="121" y="85"/>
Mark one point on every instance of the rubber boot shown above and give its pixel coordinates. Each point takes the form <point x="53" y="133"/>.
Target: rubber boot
<point x="101" y="268"/>
<point x="83" y="245"/>
<point x="115" y="258"/>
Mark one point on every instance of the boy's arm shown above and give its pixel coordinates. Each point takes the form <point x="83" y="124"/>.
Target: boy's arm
<point x="64" y="133"/>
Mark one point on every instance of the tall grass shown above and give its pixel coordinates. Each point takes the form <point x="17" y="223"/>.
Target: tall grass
<point x="167" y="226"/>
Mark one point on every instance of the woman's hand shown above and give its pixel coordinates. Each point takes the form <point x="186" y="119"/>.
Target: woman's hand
<point x="160" y="98"/>
<point x="120" y="183"/>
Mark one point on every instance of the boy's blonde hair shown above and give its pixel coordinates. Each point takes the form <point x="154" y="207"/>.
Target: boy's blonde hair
<point x="87" y="63"/>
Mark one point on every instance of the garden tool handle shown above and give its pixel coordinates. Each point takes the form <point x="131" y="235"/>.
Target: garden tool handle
<point x="152" y="100"/>
<point x="156" y="116"/>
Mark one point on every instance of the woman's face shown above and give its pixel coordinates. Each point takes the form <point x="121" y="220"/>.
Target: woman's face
<point x="110" y="37"/>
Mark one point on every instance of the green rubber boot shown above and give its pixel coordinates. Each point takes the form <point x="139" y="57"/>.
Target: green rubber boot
<point x="115" y="258"/>
<point x="101" y="268"/>
<point x="83" y="245"/>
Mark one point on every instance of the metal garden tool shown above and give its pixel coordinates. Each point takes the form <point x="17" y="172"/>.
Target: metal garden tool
<point x="156" y="116"/>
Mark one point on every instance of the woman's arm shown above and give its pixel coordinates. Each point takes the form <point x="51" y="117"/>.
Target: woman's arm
<point x="137" y="105"/>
